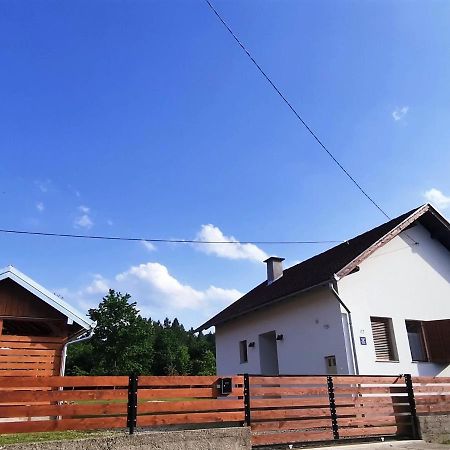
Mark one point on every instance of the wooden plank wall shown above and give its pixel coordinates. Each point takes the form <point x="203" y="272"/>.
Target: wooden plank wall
<point x="174" y="400"/>
<point x="372" y="405"/>
<point x="30" y="404"/>
<point x="289" y="409"/>
<point x="432" y="395"/>
<point x="30" y="355"/>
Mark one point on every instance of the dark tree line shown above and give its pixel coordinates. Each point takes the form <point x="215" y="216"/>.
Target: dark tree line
<point x="124" y="342"/>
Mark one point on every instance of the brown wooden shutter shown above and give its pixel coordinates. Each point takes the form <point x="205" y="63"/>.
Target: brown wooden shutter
<point x="437" y="340"/>
<point x="382" y="338"/>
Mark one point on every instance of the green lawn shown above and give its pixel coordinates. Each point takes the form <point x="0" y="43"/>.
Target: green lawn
<point x="20" y="438"/>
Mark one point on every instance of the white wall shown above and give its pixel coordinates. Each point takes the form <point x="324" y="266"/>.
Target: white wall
<point x="400" y="281"/>
<point x="312" y="328"/>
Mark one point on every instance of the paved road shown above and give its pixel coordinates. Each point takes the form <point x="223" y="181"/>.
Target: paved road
<point x="403" y="445"/>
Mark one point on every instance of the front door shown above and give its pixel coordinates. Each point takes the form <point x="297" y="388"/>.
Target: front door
<point x="268" y="353"/>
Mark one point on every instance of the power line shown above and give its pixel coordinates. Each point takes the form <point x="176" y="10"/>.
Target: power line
<point x="313" y="134"/>
<point x="169" y="241"/>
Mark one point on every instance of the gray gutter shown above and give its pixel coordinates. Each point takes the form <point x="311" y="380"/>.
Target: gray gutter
<point x="74" y="340"/>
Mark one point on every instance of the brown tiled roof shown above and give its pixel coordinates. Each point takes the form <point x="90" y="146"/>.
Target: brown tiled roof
<point x="310" y="273"/>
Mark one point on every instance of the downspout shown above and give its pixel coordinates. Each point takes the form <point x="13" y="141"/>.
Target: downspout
<point x="350" y="324"/>
<point x="75" y="340"/>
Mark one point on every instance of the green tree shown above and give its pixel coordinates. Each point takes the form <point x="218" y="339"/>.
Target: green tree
<point x="122" y="340"/>
<point x="125" y="343"/>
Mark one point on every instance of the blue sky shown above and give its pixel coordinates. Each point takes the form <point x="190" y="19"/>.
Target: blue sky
<point x="144" y="118"/>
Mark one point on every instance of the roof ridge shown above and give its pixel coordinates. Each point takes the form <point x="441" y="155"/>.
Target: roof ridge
<point x="313" y="271"/>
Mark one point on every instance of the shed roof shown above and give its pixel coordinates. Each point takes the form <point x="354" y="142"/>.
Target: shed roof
<point x="45" y="295"/>
<point x="336" y="262"/>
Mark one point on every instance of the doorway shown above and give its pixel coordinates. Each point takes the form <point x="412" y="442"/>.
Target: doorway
<point x="268" y="353"/>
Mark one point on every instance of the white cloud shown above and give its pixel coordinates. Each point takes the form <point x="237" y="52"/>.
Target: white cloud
<point x="230" y="251"/>
<point x="437" y="198"/>
<point x="83" y="221"/>
<point x="149" y="246"/>
<point x="400" y="112"/>
<point x="43" y="185"/>
<point x="99" y="285"/>
<point x="84" y="209"/>
<point x="40" y="206"/>
<point x="158" y="294"/>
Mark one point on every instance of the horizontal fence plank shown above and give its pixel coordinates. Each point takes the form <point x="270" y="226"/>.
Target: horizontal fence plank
<point x="374" y="421"/>
<point x="25" y="373"/>
<point x="66" y="381"/>
<point x="289" y="402"/>
<point x="261" y="380"/>
<point x="373" y="411"/>
<point x="371" y="401"/>
<point x="433" y="408"/>
<point x="65" y="424"/>
<point x="435" y="389"/>
<point x="175" y="419"/>
<point x="286" y="390"/>
<point x="426" y="380"/>
<point x="339" y="379"/>
<point x="281" y="425"/>
<point x="32" y="345"/>
<point x="193" y="406"/>
<point x="66" y="395"/>
<point x="291" y="438"/>
<point x="364" y="390"/>
<point x="6" y="351"/>
<point x="175" y="393"/>
<point x="368" y="431"/>
<point x="430" y="399"/>
<point x="289" y="413"/>
<point x="94" y="409"/>
<point x="14" y="338"/>
<point x="155" y="381"/>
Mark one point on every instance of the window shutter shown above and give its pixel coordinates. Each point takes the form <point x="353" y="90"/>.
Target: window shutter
<point x="382" y="339"/>
<point x="437" y="339"/>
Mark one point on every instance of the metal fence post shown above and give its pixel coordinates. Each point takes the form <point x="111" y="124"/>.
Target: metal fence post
<point x="334" y="422"/>
<point x="247" y="410"/>
<point x="132" y="402"/>
<point x="412" y="406"/>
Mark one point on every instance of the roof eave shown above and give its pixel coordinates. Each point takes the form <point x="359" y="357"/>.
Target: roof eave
<point x="384" y="240"/>
<point x="211" y="323"/>
<point x="45" y="295"/>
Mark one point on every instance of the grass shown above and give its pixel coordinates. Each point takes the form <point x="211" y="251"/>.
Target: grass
<point x="22" y="438"/>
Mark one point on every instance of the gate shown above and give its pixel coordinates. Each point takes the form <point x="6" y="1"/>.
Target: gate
<point x="292" y="409"/>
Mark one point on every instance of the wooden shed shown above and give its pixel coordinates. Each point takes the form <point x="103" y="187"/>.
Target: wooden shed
<point x="35" y="327"/>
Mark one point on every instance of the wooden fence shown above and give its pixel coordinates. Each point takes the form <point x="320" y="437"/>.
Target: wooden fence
<point x="279" y="410"/>
<point x="432" y="395"/>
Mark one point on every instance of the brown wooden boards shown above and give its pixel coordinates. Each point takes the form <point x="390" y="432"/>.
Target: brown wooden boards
<point x="289" y="409"/>
<point x="177" y="400"/>
<point x="51" y="403"/>
<point x="371" y="406"/>
<point x="432" y="395"/>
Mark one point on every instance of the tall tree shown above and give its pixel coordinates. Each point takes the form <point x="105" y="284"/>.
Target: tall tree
<point x="125" y="343"/>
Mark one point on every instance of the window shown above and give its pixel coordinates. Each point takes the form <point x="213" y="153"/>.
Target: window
<point x="243" y="351"/>
<point x="416" y="340"/>
<point x="383" y="339"/>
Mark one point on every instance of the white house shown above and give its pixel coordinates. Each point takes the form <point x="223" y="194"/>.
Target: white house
<point x="377" y="304"/>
